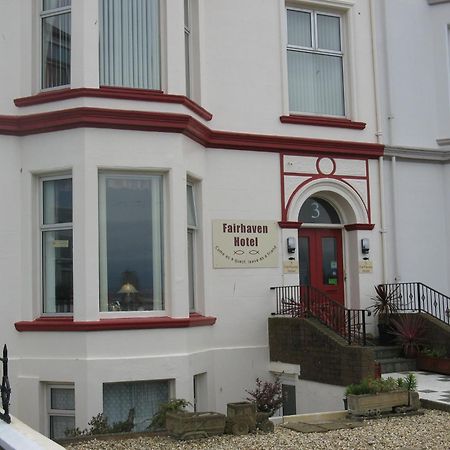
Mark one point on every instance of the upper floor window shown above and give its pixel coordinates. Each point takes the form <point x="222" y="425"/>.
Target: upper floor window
<point x="131" y="242"/>
<point x="129" y="43"/>
<point x="56" y="43"/>
<point x="56" y="237"/>
<point x="315" y="63"/>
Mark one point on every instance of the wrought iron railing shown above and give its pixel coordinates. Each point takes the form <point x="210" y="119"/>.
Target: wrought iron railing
<point x="419" y="297"/>
<point x="307" y="301"/>
<point x="5" y="389"/>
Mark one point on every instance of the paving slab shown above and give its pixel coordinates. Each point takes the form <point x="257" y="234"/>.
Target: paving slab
<point x="322" y="427"/>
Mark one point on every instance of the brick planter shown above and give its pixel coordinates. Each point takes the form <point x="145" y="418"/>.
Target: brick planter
<point x="431" y="364"/>
<point x="371" y="404"/>
<point x="187" y="425"/>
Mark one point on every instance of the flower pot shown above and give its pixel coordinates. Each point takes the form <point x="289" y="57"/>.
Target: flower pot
<point x="371" y="404"/>
<point x="188" y="425"/>
<point x="432" y="364"/>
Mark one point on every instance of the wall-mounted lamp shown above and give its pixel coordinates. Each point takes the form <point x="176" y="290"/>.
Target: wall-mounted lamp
<point x="290" y="244"/>
<point x="365" y="247"/>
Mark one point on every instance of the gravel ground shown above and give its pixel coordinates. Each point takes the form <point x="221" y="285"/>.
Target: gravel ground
<point x="430" y="431"/>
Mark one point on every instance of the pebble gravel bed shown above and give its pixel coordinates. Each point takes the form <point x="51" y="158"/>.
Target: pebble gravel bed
<point x="428" y="431"/>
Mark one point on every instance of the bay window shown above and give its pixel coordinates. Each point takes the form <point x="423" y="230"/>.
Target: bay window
<point x="129" y="43"/>
<point x="315" y="63"/>
<point x="55" y="43"/>
<point x="56" y="238"/>
<point x="131" y="242"/>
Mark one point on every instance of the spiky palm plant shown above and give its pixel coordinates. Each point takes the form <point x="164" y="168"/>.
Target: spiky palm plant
<point x="410" y="332"/>
<point x="385" y="302"/>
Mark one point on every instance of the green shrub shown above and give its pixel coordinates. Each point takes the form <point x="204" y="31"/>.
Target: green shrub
<point x="375" y="386"/>
<point x="99" y="425"/>
<point x="434" y="352"/>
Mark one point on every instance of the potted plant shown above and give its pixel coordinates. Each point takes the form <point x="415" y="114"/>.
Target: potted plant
<point x="409" y="331"/>
<point x="384" y="305"/>
<point x="434" y="359"/>
<point x="374" y="396"/>
<point x="268" y="398"/>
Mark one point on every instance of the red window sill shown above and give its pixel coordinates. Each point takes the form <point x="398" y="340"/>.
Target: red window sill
<point x="322" y="121"/>
<point x="132" y="323"/>
<point x="115" y="93"/>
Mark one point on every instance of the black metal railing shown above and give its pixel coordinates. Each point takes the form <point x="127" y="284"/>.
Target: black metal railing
<point x="419" y="297"/>
<point x="307" y="301"/>
<point x="5" y="389"/>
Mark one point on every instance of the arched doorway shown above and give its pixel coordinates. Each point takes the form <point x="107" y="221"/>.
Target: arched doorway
<point x="320" y="248"/>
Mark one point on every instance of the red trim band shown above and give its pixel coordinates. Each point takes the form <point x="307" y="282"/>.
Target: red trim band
<point x="120" y="93"/>
<point x="322" y="121"/>
<point x="359" y="226"/>
<point x="132" y="323"/>
<point x="180" y="123"/>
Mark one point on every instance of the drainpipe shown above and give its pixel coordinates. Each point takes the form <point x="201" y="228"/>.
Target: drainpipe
<point x="394" y="218"/>
<point x="379" y="137"/>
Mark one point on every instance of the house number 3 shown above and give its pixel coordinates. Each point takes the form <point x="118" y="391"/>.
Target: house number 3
<point x="316" y="210"/>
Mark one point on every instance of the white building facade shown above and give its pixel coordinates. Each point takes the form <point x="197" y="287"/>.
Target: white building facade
<point x="164" y="163"/>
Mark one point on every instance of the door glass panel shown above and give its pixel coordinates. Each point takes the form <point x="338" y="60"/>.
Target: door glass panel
<point x="329" y="261"/>
<point x="303" y="252"/>
<point x="317" y="210"/>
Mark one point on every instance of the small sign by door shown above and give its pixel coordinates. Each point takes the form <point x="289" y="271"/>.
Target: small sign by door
<point x="365" y="266"/>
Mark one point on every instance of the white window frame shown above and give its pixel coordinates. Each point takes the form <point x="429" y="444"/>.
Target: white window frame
<point x="315" y="49"/>
<point x="58" y="412"/>
<point x="50" y="227"/>
<point x="193" y="231"/>
<point x="43" y="15"/>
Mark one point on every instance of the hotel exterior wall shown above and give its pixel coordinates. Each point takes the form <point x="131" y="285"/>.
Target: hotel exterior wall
<point x="253" y="94"/>
<point x="243" y="84"/>
<point x="418" y="222"/>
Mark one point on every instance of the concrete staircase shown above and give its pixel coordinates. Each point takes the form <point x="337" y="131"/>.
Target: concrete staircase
<point x="390" y="359"/>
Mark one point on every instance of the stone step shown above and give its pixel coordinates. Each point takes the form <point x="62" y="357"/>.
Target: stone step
<point x="391" y="351"/>
<point x="397" y="365"/>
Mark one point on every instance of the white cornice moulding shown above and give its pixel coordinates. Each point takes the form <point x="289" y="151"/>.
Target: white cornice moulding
<point x="436" y="2"/>
<point x="418" y="153"/>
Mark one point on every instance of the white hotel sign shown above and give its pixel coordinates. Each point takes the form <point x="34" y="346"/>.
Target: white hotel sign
<point x="245" y="244"/>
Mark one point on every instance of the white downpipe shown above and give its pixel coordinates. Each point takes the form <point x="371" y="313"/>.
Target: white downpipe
<point x="382" y="219"/>
<point x="394" y="218"/>
<point x="379" y="137"/>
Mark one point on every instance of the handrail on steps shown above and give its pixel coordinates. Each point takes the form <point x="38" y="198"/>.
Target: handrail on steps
<point x="308" y="301"/>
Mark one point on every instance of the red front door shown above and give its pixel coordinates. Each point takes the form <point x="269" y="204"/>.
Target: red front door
<point x="320" y="258"/>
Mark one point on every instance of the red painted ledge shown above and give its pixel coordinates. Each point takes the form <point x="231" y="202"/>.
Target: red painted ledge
<point x="286" y="224"/>
<point x="359" y="226"/>
<point x="322" y="121"/>
<point x="88" y="117"/>
<point x="114" y="93"/>
<point x="131" y="323"/>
